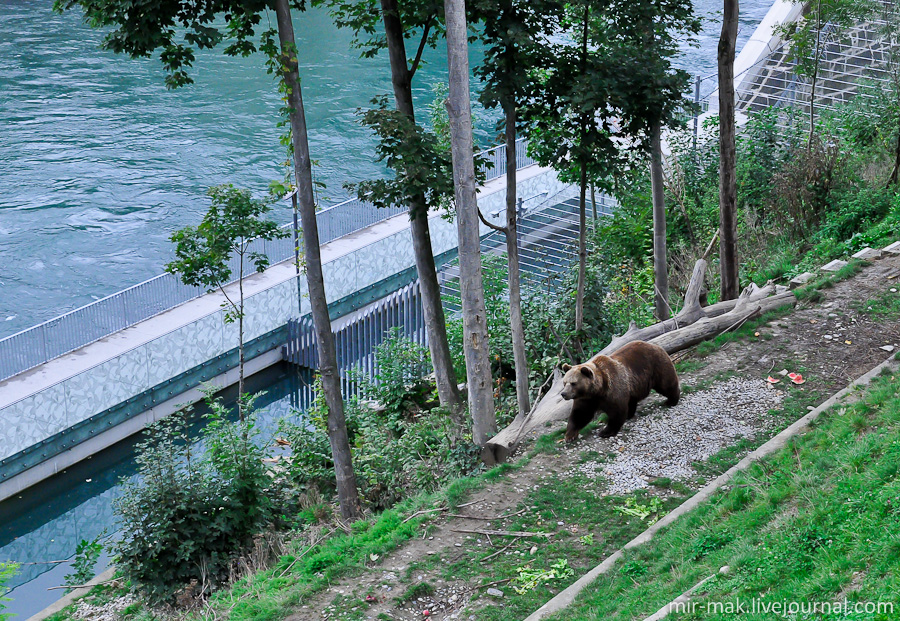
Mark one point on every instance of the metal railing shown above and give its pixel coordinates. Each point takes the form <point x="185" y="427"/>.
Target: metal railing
<point x="51" y="339"/>
<point x="358" y="337"/>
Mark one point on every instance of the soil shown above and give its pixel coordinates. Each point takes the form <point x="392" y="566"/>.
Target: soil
<point x="830" y="342"/>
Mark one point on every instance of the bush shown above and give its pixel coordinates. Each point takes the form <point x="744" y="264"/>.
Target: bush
<point x="7" y="571"/>
<point x="191" y="513"/>
<point x="398" y="450"/>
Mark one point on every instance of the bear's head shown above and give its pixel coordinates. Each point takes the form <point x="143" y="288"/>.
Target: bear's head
<point x="581" y="381"/>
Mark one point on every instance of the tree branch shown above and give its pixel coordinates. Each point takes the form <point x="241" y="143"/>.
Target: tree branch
<point x="481" y="217"/>
<point x="418" y="58"/>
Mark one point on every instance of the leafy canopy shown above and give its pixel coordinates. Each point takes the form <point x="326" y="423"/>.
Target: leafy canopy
<point x="177" y="28"/>
<point x="608" y="83"/>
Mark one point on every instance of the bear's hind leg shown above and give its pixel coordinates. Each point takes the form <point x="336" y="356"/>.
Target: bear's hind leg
<point x="670" y="388"/>
<point x="582" y="413"/>
<point x="615" y="418"/>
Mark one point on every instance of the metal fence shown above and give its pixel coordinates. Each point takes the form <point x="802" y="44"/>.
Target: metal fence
<point x="43" y="342"/>
<point x="548" y="240"/>
<point x="358" y="335"/>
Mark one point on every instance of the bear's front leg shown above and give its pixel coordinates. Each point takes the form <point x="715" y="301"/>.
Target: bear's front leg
<point x="583" y="411"/>
<point x="615" y="418"/>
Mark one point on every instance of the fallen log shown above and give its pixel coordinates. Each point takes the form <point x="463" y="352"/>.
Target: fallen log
<point x="715" y="319"/>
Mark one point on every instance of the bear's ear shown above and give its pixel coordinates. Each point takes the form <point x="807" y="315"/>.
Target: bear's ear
<point x="587" y="373"/>
<point x="566" y="367"/>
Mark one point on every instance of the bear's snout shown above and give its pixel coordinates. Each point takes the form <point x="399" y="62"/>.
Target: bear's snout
<point x="568" y="393"/>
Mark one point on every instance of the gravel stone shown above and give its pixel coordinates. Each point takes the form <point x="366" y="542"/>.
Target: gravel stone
<point x="666" y="441"/>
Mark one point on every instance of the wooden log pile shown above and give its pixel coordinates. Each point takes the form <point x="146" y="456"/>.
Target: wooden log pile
<point x="692" y="325"/>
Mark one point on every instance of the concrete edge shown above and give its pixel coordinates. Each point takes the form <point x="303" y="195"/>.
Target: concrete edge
<point x="69" y="598"/>
<point x="568" y="595"/>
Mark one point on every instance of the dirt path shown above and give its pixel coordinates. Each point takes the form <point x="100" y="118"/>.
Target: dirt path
<point x="727" y="401"/>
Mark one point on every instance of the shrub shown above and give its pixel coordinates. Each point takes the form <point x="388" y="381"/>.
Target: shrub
<point x="397" y="451"/>
<point x="191" y="513"/>
<point x="7" y="571"/>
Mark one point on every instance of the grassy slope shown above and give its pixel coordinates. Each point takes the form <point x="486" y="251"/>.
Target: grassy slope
<point x="818" y="521"/>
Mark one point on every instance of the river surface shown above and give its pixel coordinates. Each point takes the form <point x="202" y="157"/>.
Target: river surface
<point x="99" y="163"/>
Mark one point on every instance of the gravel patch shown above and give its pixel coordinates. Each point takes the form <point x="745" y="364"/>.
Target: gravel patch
<point x="110" y="611"/>
<point x="666" y="441"/>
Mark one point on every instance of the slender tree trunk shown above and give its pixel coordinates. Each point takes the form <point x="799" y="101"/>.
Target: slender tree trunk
<point x="241" y="338"/>
<point x="660" y="262"/>
<point x="582" y="207"/>
<point x="512" y="251"/>
<point x="433" y="310"/>
<point x="348" y="496"/>
<point x="582" y="256"/>
<point x="475" y="336"/>
<point x="815" y="76"/>
<point x="728" y="262"/>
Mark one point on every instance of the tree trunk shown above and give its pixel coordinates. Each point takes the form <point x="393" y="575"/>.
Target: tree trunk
<point x="475" y="336"/>
<point x="348" y="496"/>
<point x="582" y="207"/>
<point x="815" y="76"/>
<point x="512" y="251"/>
<point x="433" y="310"/>
<point x="660" y="262"/>
<point x="895" y="172"/>
<point x="728" y="262"/>
<point x="241" y="336"/>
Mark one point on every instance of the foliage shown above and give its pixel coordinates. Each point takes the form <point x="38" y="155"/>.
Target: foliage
<point x="87" y="553"/>
<point x="422" y="166"/>
<point x="203" y="253"/>
<point x="401" y="382"/>
<point x="529" y="578"/>
<point x="363" y="17"/>
<point x="7" y="571"/>
<point x="603" y="88"/>
<point x="177" y="29"/>
<point x="192" y="512"/>
<point x="399" y="447"/>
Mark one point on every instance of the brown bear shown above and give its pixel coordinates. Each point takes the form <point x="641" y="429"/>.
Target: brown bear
<point x="615" y="384"/>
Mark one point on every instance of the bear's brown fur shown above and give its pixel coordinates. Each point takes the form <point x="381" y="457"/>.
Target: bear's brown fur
<point x="615" y="384"/>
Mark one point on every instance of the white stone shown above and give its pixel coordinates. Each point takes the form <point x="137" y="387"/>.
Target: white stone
<point x="887" y="348"/>
<point x="833" y="266"/>
<point x="494" y="592"/>
<point x="893" y="248"/>
<point x="802" y="279"/>
<point x="867" y="253"/>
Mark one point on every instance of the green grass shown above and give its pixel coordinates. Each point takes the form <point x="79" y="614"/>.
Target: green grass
<point x="302" y="573"/>
<point x="816" y="522"/>
<point x="884" y="306"/>
<point x="592" y="527"/>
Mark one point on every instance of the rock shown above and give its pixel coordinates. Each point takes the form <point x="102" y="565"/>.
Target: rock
<point x="893" y="248"/>
<point x="802" y="279"/>
<point x="724" y="569"/>
<point x="833" y="266"/>
<point x="867" y="253"/>
<point x="494" y="592"/>
<point x="887" y="348"/>
<point x="827" y="337"/>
